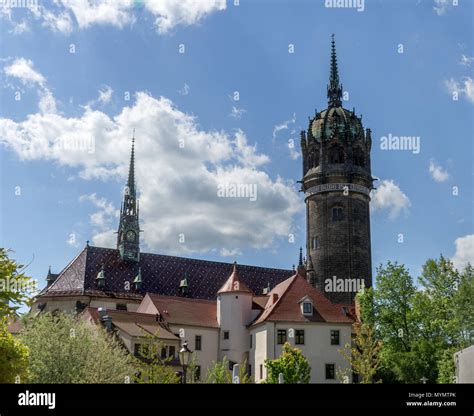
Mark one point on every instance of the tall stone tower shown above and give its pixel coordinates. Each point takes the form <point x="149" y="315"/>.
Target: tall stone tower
<point x="128" y="239"/>
<point x="337" y="181"/>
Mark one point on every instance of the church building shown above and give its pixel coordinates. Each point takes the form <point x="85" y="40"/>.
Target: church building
<point x="242" y="312"/>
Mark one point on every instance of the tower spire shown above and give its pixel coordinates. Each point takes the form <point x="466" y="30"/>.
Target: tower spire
<point x="128" y="240"/>
<point x="131" y="169"/>
<point x="334" y="87"/>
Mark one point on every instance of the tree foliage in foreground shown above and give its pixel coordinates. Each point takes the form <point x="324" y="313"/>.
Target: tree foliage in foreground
<point x="13" y="356"/>
<point x="65" y="349"/>
<point x="292" y="364"/>
<point x="219" y="373"/>
<point x="420" y="327"/>
<point x="15" y="287"/>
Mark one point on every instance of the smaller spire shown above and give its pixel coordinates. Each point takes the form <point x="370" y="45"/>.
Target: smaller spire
<point x="234" y="283"/>
<point x="300" y="261"/>
<point x="100" y="279"/>
<point x="131" y="169"/>
<point x="138" y="279"/>
<point x="334" y="87"/>
<point x="183" y="285"/>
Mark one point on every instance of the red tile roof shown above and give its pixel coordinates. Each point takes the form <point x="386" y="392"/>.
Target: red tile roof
<point x="234" y="283"/>
<point x="283" y="304"/>
<point x="183" y="311"/>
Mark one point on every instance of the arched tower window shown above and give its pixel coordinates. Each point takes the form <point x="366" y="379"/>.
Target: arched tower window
<point x="336" y="154"/>
<point x="316" y="159"/>
<point x="359" y="157"/>
<point x="337" y="214"/>
<point x="314" y="243"/>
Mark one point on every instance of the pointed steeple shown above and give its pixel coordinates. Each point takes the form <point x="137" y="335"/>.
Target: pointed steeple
<point x="131" y="170"/>
<point x="128" y="237"/>
<point x="334" y="87"/>
<point x="234" y="283"/>
<point x="300" y="262"/>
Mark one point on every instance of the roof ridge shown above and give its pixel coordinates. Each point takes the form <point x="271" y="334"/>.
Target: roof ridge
<point x="210" y="301"/>
<point x="274" y="305"/>
<point x="194" y="259"/>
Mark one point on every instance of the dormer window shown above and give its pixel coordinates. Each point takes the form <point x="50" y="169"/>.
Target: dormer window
<point x="306" y="305"/>
<point x="307" y="308"/>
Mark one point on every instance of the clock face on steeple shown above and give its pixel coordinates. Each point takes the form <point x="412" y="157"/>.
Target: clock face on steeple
<point x="130" y="236"/>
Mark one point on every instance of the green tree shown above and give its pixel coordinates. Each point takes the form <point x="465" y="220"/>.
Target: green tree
<point x="219" y="373"/>
<point x="420" y="327"/>
<point x="363" y="354"/>
<point x="152" y="368"/>
<point x="64" y="349"/>
<point x="292" y="364"/>
<point x="13" y="356"/>
<point x="16" y="288"/>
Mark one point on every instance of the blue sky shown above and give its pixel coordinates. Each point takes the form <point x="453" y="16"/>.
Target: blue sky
<point x="50" y="192"/>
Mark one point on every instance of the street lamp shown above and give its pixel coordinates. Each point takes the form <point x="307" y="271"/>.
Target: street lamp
<point x="184" y="358"/>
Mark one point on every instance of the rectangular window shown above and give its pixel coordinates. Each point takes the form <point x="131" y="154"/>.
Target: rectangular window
<point x="334" y="337"/>
<point x="136" y="350"/>
<point x="337" y="214"/>
<point x="299" y="337"/>
<point x="330" y="373"/>
<point x="251" y="341"/>
<point x="172" y="351"/>
<point x="226" y="335"/>
<point x="307" y="308"/>
<point x="163" y="353"/>
<point x="281" y="336"/>
<point x="197" y="342"/>
<point x="261" y="371"/>
<point x="121" y="306"/>
<point x="197" y="373"/>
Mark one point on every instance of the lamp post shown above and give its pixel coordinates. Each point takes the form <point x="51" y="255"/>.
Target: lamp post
<point x="184" y="358"/>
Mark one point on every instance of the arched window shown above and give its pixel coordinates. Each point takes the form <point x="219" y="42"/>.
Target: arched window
<point x="336" y="154"/>
<point x="358" y="156"/>
<point x="337" y="214"/>
<point x="316" y="159"/>
<point x="315" y="243"/>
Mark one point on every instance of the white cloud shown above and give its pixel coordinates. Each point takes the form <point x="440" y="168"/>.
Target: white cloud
<point x="283" y="126"/>
<point x="230" y="253"/>
<point x="117" y="13"/>
<point x="466" y="60"/>
<point x="464" y="88"/>
<point x="65" y="16"/>
<point x="464" y="251"/>
<point x="20" y="27"/>
<point x="107" y="212"/>
<point x="23" y="69"/>
<point x="60" y="22"/>
<point x="441" y="6"/>
<point x="237" y="113"/>
<point x="184" y="90"/>
<point x="105" y="95"/>
<point x="178" y="181"/>
<point x="437" y="172"/>
<point x="171" y="13"/>
<point x="388" y="196"/>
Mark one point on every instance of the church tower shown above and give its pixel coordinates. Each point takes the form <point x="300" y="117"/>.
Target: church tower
<point x="337" y="181"/>
<point x="128" y="239"/>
